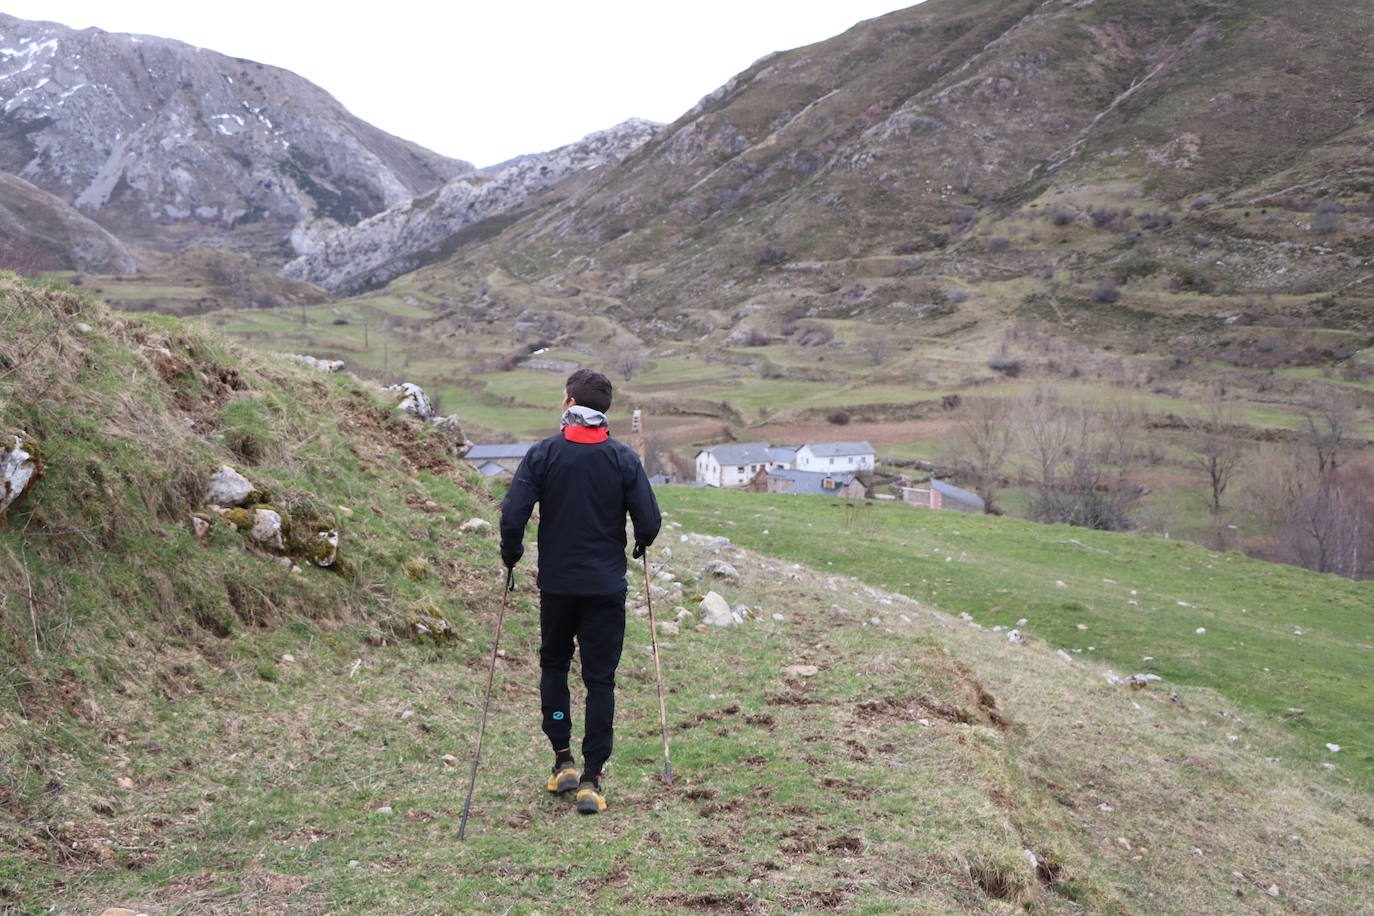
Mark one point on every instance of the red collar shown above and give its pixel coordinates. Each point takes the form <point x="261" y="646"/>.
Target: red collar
<point x="586" y="434"/>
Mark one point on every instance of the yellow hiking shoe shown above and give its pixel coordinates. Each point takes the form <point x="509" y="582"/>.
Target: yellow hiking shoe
<point x="589" y="798"/>
<point x="564" y="777"/>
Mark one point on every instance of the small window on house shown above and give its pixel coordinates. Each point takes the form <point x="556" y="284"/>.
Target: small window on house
<point x="832" y="462"/>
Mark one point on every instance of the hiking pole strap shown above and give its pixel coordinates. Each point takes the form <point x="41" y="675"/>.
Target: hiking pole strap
<point x="486" y="702"/>
<point x="658" y="671"/>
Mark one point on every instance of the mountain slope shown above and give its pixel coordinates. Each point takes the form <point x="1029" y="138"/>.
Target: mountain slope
<point x="1177" y="147"/>
<point x="412" y="234"/>
<point x="166" y="144"/>
<point x="38" y="231"/>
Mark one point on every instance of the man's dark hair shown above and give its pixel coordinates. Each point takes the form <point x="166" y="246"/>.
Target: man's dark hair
<point x="590" y="389"/>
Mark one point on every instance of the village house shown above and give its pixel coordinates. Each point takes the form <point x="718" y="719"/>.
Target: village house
<point x="497" y="460"/>
<point x="733" y="464"/>
<point x="835" y="457"/>
<point x="807" y="483"/>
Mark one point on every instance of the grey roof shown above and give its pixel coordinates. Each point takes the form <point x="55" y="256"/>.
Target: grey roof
<point x="835" y="449"/>
<point x="737" y="453"/>
<point x="953" y="492"/>
<point x="810" y="482"/>
<point x="505" y="450"/>
<point x="491" y="469"/>
<point x="783" y="454"/>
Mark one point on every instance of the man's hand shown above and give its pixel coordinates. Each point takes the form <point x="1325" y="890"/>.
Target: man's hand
<point x="509" y="560"/>
<point x="639" y="550"/>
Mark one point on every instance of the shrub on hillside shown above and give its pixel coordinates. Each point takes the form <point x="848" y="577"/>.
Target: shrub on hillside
<point x="1106" y="291"/>
<point x="813" y="334"/>
<point x="1062" y="217"/>
<point x="1005" y="365"/>
<point x="771" y="254"/>
<point x="1328" y="217"/>
<point x="998" y="244"/>
<point x="839" y="417"/>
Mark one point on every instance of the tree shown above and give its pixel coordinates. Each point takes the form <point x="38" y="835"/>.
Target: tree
<point x="1081" y="460"/>
<point x="1325" y="429"/>
<point x="1331" y="528"/>
<point x="1043" y="431"/>
<point x="626" y="361"/>
<point x="1215" y="452"/>
<point x="982" y="441"/>
<point x="874" y="341"/>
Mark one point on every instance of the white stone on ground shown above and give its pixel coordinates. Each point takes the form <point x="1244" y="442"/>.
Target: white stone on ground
<point x="267" y="529"/>
<point x="715" y="611"/>
<point x="228" y="487"/>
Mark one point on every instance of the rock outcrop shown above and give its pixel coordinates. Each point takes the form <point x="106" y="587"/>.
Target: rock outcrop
<point x="166" y="144"/>
<point x="413" y="400"/>
<point x="19" y="468"/>
<point x="409" y="235"/>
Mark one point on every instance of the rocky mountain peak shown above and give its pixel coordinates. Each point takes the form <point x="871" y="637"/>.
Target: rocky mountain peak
<point x="346" y="259"/>
<point x="168" y="144"/>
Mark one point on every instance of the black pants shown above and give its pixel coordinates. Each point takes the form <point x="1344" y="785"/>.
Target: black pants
<point x="598" y="622"/>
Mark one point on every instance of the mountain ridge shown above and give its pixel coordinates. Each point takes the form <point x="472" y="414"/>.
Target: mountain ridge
<point x="169" y="145"/>
<point x="960" y="135"/>
<point x="388" y="244"/>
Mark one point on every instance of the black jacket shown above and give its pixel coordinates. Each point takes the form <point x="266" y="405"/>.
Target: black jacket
<point x="584" y="490"/>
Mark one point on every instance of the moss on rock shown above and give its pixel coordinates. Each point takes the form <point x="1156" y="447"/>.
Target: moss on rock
<point x="242" y="519"/>
<point x="427" y="623"/>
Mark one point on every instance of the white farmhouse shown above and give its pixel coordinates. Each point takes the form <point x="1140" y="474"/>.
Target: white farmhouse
<point x="733" y="464"/>
<point x="835" y="456"/>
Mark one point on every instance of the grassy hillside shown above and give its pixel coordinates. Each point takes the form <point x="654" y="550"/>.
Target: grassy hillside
<point x="189" y="726"/>
<point x="1287" y="645"/>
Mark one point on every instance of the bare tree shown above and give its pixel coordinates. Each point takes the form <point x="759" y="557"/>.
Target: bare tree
<point x="1043" y="431"/>
<point x="1331" y="529"/>
<point x="626" y="361"/>
<point x="1081" y="459"/>
<point x="1270" y="484"/>
<point x="1215" y="452"/>
<point x="981" y="443"/>
<point x="875" y="342"/>
<point x="1327" y="428"/>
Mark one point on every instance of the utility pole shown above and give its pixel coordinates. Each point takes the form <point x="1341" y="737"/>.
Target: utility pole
<point x="637" y="441"/>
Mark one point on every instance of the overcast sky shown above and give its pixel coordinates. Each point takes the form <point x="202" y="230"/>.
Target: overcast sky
<point x="488" y="81"/>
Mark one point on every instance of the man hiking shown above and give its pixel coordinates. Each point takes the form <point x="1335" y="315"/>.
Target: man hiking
<point x="585" y="482"/>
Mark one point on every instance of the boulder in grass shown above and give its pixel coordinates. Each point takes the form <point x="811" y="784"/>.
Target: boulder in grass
<point x="322" y="548"/>
<point x="722" y="570"/>
<point x="267" y="529"/>
<point x="19" y="467"/>
<point x="228" y="488"/>
<point x="451" y="428"/>
<point x="474" y="525"/>
<point x="715" y="611"/>
<point x="413" y="400"/>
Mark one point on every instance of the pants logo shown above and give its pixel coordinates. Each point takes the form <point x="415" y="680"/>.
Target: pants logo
<point x="558" y="717"/>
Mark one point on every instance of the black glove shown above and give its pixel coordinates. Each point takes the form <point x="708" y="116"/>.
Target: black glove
<point x="510" y="559"/>
<point x="639" y="550"/>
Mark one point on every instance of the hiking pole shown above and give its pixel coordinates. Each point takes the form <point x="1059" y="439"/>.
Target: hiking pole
<point x="658" y="670"/>
<point x="486" y="704"/>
